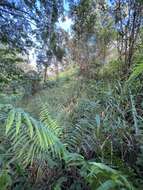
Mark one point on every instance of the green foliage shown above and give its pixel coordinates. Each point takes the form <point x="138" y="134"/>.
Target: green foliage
<point x="98" y="175"/>
<point x="102" y="177"/>
<point x="9" y="70"/>
<point x="5" y="180"/>
<point x="138" y="68"/>
<point x="30" y="139"/>
<point x="48" y="121"/>
<point x="99" y="121"/>
<point x="41" y="141"/>
<point x="111" y="70"/>
<point x="84" y="130"/>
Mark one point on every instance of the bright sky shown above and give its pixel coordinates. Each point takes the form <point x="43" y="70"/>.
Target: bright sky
<point x="66" y="25"/>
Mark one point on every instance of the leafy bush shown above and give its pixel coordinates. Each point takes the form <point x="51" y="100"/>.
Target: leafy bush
<point x="111" y="70"/>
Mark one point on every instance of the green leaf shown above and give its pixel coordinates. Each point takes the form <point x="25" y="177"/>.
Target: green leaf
<point x="10" y="120"/>
<point x="107" y="185"/>
<point x="28" y="123"/>
<point x="5" y="180"/>
<point x="97" y="118"/>
<point x="18" y="122"/>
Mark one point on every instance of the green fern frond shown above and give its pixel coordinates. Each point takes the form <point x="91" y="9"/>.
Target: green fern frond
<point x="81" y="138"/>
<point x="101" y="176"/>
<point x="28" y="123"/>
<point x="10" y="120"/>
<point x="42" y="139"/>
<point x="107" y="185"/>
<point x="138" y="69"/>
<point x="18" y="122"/>
<point x="48" y="121"/>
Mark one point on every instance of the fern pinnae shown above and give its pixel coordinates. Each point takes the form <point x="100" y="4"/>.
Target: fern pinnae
<point x="51" y="142"/>
<point x="48" y="121"/>
<point x="10" y="120"/>
<point x="38" y="132"/>
<point x="28" y="157"/>
<point x="26" y="146"/>
<point x="28" y="123"/>
<point x="11" y="133"/>
<point x="49" y="139"/>
<point x="17" y="140"/>
<point x="18" y="151"/>
<point x="35" y="147"/>
<point x="44" y="137"/>
<point x="20" y="140"/>
<point x="107" y="185"/>
<point x="18" y="122"/>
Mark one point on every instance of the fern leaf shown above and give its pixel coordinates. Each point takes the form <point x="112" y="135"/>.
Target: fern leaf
<point x="18" y="122"/>
<point x="38" y="131"/>
<point x="48" y="121"/>
<point x="107" y="185"/>
<point x="28" y="123"/>
<point x="10" y="120"/>
<point x="137" y="70"/>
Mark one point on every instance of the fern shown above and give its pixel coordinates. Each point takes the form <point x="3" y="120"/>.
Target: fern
<point x="10" y="120"/>
<point x="28" y="123"/>
<point x="99" y="176"/>
<point x="32" y="141"/>
<point x="31" y="138"/>
<point x="87" y="137"/>
<point x="81" y="138"/>
<point x="18" y="122"/>
<point x="138" y="69"/>
<point x="102" y="177"/>
<point x="48" y="121"/>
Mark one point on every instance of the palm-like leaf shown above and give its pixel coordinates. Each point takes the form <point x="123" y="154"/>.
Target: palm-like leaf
<point x="31" y="138"/>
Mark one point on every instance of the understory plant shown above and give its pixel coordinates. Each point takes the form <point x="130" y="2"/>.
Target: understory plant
<point x="33" y="142"/>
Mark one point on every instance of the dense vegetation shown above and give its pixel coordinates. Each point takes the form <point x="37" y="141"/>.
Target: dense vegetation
<point x="76" y="120"/>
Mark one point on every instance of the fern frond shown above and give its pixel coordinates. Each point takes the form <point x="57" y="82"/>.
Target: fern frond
<point x="81" y="138"/>
<point x="10" y="120"/>
<point x="25" y="147"/>
<point x="101" y="176"/>
<point x="28" y="123"/>
<point x="138" y="69"/>
<point x="43" y="143"/>
<point x="48" y="121"/>
<point x="18" y="121"/>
